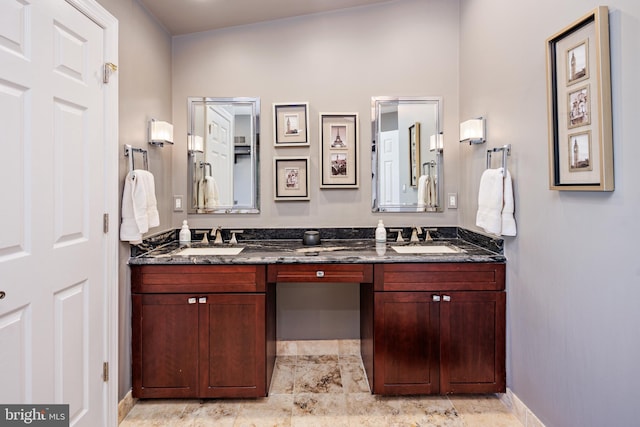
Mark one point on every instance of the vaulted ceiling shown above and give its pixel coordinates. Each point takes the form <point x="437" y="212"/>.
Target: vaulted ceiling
<point x="190" y="16"/>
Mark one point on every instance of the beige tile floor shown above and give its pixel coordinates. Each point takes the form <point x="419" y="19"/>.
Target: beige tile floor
<point x="322" y="383"/>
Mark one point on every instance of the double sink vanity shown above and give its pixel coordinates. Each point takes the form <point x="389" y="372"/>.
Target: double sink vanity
<point x="432" y="313"/>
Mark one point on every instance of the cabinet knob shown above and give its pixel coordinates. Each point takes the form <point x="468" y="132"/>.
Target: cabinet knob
<point x="446" y="298"/>
<point x="191" y="300"/>
<point x="202" y="300"/>
<point x="2" y="294"/>
<point x="436" y="298"/>
<point x="319" y="273"/>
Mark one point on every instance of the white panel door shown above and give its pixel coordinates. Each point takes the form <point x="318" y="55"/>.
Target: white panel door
<point x="389" y="168"/>
<point x="53" y="319"/>
<point x="220" y="151"/>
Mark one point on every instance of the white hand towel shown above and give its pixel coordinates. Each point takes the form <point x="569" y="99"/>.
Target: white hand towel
<point x="508" y="221"/>
<point x="139" y="207"/>
<point x="490" y="199"/>
<point x="146" y="178"/>
<point x="422" y="192"/>
<point x="200" y="203"/>
<point x="431" y="192"/>
<point x="129" y="231"/>
<point x="211" y="195"/>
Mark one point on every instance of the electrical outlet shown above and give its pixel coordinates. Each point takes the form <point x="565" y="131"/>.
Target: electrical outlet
<point x="177" y="204"/>
<point x="452" y="201"/>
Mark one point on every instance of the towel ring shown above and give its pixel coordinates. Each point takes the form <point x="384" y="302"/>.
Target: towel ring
<point x="128" y="152"/>
<point x="506" y="151"/>
<point x="204" y="165"/>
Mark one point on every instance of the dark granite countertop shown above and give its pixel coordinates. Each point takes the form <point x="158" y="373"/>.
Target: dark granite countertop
<point x="338" y="245"/>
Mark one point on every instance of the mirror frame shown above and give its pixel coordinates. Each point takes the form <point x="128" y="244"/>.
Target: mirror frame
<point x="255" y="154"/>
<point x="376" y="103"/>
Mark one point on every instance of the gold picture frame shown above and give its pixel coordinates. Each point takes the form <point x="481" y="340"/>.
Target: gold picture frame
<point x="579" y="105"/>
<point x="414" y="153"/>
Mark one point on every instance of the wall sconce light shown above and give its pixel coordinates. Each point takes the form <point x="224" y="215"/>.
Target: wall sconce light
<point x="160" y="133"/>
<point x="473" y="131"/>
<point x="436" y="142"/>
<point x="195" y="144"/>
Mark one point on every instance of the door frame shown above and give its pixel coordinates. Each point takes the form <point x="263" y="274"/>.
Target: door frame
<point x="98" y="14"/>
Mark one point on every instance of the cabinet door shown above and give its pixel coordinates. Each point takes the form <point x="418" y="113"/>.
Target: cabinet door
<point x="472" y="349"/>
<point x="406" y="337"/>
<point x="232" y="345"/>
<point x="165" y="345"/>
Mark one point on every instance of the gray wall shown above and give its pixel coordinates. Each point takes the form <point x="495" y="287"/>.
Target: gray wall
<point x="144" y="75"/>
<point x="573" y="274"/>
<point x="336" y="62"/>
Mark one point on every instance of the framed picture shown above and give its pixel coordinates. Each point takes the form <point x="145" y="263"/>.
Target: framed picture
<point x="414" y="153"/>
<point x="580" y="152"/>
<point x="579" y="105"/>
<point x="339" y="165"/>
<point x="291" y="124"/>
<point x="291" y="178"/>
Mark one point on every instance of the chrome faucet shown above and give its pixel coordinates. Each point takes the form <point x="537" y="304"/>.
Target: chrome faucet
<point x="415" y="232"/>
<point x="216" y="235"/>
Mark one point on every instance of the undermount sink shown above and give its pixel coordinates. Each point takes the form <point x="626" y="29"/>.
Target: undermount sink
<point x="235" y="250"/>
<point x="426" y="249"/>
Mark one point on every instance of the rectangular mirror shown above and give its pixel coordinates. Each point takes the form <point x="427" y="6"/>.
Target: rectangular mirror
<point x="406" y="154"/>
<point x="223" y="144"/>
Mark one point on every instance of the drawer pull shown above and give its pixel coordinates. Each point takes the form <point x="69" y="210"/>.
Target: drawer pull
<point x="202" y="300"/>
<point x="436" y="298"/>
<point x="319" y="273"/>
<point x="191" y="300"/>
<point x="446" y="298"/>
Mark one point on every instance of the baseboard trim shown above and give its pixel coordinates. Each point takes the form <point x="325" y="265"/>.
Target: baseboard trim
<point x="520" y="410"/>
<point x="125" y="406"/>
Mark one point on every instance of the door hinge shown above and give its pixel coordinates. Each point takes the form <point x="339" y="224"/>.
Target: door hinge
<point x="109" y="68"/>
<point x="105" y="371"/>
<point x="105" y="223"/>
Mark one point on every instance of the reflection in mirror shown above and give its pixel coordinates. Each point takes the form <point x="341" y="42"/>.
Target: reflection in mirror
<point x="223" y="155"/>
<point x="406" y="154"/>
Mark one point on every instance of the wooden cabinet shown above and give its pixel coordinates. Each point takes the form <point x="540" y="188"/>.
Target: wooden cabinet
<point x="208" y="331"/>
<point x="437" y="329"/>
<point x="201" y="331"/>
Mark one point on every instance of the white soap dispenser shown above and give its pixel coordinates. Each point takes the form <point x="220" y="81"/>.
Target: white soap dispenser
<point x="185" y="233"/>
<point x="381" y="233"/>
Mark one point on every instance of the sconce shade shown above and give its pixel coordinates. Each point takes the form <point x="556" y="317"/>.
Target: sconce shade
<point x="196" y="144"/>
<point x="160" y="133"/>
<point x="436" y="142"/>
<point x="473" y="131"/>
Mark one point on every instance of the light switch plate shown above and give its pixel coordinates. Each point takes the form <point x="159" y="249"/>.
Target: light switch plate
<point x="177" y="204"/>
<point x="452" y="201"/>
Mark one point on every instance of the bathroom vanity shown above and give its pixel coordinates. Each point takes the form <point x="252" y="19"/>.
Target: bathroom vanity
<point x="204" y="326"/>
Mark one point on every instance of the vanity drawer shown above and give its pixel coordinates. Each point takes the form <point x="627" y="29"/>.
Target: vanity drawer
<point x="440" y="277"/>
<point x="330" y="273"/>
<point x="197" y="278"/>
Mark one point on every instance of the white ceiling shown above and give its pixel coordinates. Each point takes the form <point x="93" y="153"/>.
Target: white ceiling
<point x="190" y="16"/>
